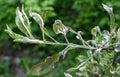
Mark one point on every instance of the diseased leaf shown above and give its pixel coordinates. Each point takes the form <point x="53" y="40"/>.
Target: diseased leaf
<point x="112" y="17"/>
<point x="12" y="34"/>
<point x="117" y="47"/>
<point x="26" y="20"/>
<point x="67" y="75"/>
<point x="104" y="39"/>
<point x="58" y="27"/>
<point x="37" y="18"/>
<point x="95" y="30"/>
<point x="44" y="15"/>
<point x="28" y="40"/>
<point x="22" y="22"/>
<point x="107" y="8"/>
<point x="45" y="67"/>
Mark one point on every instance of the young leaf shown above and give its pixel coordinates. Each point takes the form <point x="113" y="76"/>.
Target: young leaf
<point x="95" y="30"/>
<point x="22" y="22"/>
<point x="26" y="20"/>
<point x="106" y="38"/>
<point x="45" y="67"/>
<point x="37" y="18"/>
<point x="44" y="15"/>
<point x="19" y="21"/>
<point x="112" y="17"/>
<point x="12" y="34"/>
<point x="58" y="27"/>
<point x="67" y="75"/>
<point x="107" y="8"/>
<point x="117" y="47"/>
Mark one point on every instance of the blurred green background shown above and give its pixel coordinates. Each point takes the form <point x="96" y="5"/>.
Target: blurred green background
<point x="81" y="15"/>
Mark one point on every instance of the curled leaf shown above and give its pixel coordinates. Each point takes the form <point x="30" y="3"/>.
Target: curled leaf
<point x="67" y="75"/>
<point x="22" y="22"/>
<point x="25" y="18"/>
<point x="107" y="8"/>
<point x="12" y="34"/>
<point x="112" y="17"/>
<point x="95" y="30"/>
<point x="45" y="67"/>
<point x="37" y="18"/>
<point x="58" y="27"/>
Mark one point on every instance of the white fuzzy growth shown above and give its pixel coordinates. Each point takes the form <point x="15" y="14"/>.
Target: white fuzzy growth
<point x="19" y="16"/>
<point x="67" y="75"/>
<point x="107" y="8"/>
<point x="37" y="18"/>
<point x="27" y="40"/>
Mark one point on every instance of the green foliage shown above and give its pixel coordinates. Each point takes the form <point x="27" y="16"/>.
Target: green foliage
<point x="102" y="55"/>
<point x="8" y="12"/>
<point x="83" y="15"/>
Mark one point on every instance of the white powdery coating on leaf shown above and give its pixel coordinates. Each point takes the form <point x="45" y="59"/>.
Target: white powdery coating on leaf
<point x="107" y="8"/>
<point x="37" y="18"/>
<point x="67" y="75"/>
<point x="19" y="16"/>
<point x="27" y="40"/>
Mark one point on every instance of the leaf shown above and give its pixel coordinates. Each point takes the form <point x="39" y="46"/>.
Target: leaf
<point x="105" y="38"/>
<point x="26" y="20"/>
<point x="107" y="8"/>
<point x="95" y="30"/>
<point x="117" y="47"/>
<point x="45" y="67"/>
<point x="37" y="18"/>
<point x="12" y="34"/>
<point x="44" y="15"/>
<point x="67" y="75"/>
<point x="22" y="22"/>
<point x="112" y="17"/>
<point x="28" y="40"/>
<point x="58" y="27"/>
